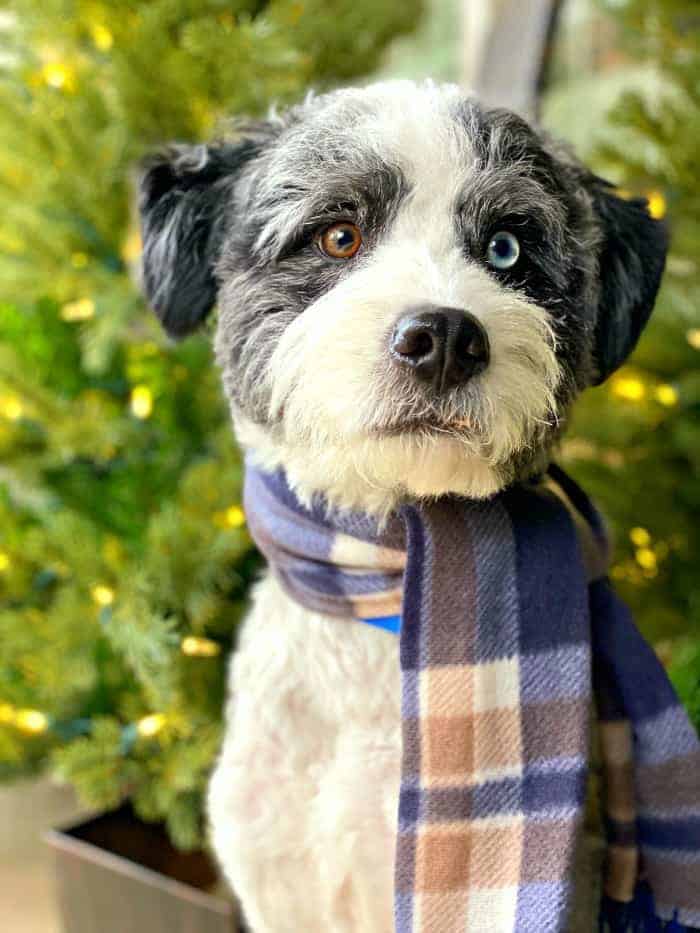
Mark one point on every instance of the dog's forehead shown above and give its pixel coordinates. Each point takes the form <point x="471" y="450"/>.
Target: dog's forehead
<point x="411" y="127"/>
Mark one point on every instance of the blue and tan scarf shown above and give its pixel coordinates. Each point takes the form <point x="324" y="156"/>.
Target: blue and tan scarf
<point x="509" y="630"/>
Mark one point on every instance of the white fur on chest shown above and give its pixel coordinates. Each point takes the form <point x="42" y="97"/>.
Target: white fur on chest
<point x="304" y="798"/>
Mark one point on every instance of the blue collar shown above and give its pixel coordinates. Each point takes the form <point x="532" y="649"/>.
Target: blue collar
<point x="390" y="623"/>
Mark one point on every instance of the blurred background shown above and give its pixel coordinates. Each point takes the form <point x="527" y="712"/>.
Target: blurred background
<point x="124" y="555"/>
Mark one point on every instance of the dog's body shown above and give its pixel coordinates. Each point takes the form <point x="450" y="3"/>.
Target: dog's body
<point x="303" y="802"/>
<point x="412" y="291"/>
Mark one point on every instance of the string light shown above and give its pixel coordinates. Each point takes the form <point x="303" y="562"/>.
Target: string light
<point x="103" y="595"/>
<point x="150" y="725"/>
<point x="141" y="401"/>
<point x="81" y="310"/>
<point x="11" y="406"/>
<point x="234" y="516"/>
<point x="32" y="721"/>
<point x="58" y="75"/>
<point x="102" y="37"/>
<point x="4" y="561"/>
<point x="666" y="395"/>
<point x="657" y="204"/>
<point x="646" y="558"/>
<point x="640" y="537"/>
<point x="196" y="647"/>
<point x="629" y="388"/>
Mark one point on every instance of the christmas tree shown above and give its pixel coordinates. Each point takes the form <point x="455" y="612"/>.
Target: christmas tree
<point x="635" y="442"/>
<point x="124" y="558"/>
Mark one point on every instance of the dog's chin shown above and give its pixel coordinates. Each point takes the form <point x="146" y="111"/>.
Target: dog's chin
<point x="428" y="429"/>
<point x="378" y="470"/>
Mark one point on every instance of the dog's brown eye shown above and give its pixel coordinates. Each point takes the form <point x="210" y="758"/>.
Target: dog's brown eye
<point x="340" y="241"/>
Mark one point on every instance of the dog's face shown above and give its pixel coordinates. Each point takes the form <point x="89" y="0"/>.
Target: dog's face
<point x="411" y="289"/>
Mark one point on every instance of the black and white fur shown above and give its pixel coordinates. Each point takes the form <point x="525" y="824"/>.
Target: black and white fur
<point x="303" y="800"/>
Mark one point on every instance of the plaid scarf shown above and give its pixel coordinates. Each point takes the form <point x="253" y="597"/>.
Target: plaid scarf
<point x="508" y="630"/>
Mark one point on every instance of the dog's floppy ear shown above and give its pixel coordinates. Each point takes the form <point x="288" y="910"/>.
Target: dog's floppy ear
<point x="184" y="201"/>
<point x="632" y="258"/>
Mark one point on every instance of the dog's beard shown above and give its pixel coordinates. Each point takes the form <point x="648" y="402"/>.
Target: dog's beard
<point x="346" y="422"/>
<point x="373" y="474"/>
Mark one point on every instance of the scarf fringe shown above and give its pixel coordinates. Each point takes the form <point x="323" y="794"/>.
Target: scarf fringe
<point x="638" y="916"/>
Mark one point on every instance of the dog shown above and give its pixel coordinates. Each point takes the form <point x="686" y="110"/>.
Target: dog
<point x="412" y="290"/>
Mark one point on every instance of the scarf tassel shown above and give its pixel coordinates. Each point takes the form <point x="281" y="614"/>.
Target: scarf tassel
<point x="637" y="916"/>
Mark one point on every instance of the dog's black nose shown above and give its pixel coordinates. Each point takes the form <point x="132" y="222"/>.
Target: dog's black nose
<point x="444" y="346"/>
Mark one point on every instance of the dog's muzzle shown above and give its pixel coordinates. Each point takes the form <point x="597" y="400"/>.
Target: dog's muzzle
<point x="442" y="346"/>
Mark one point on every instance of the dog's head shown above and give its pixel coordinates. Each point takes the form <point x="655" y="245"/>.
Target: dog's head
<point x="411" y="289"/>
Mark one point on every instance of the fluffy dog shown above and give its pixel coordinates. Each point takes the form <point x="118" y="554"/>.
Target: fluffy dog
<point x="412" y="290"/>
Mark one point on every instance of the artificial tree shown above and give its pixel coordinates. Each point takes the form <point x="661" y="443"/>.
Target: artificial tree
<point x="124" y="557"/>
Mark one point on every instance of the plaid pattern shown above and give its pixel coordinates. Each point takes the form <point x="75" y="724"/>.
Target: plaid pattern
<point x="507" y="625"/>
<point x="651" y="768"/>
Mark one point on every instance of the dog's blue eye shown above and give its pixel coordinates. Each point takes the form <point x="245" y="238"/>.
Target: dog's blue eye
<point x="503" y="250"/>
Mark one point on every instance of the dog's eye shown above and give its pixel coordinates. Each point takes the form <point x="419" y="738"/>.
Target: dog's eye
<point x="503" y="250"/>
<point x="340" y="241"/>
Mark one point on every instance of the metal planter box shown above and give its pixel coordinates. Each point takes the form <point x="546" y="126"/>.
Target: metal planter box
<point x="116" y="874"/>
